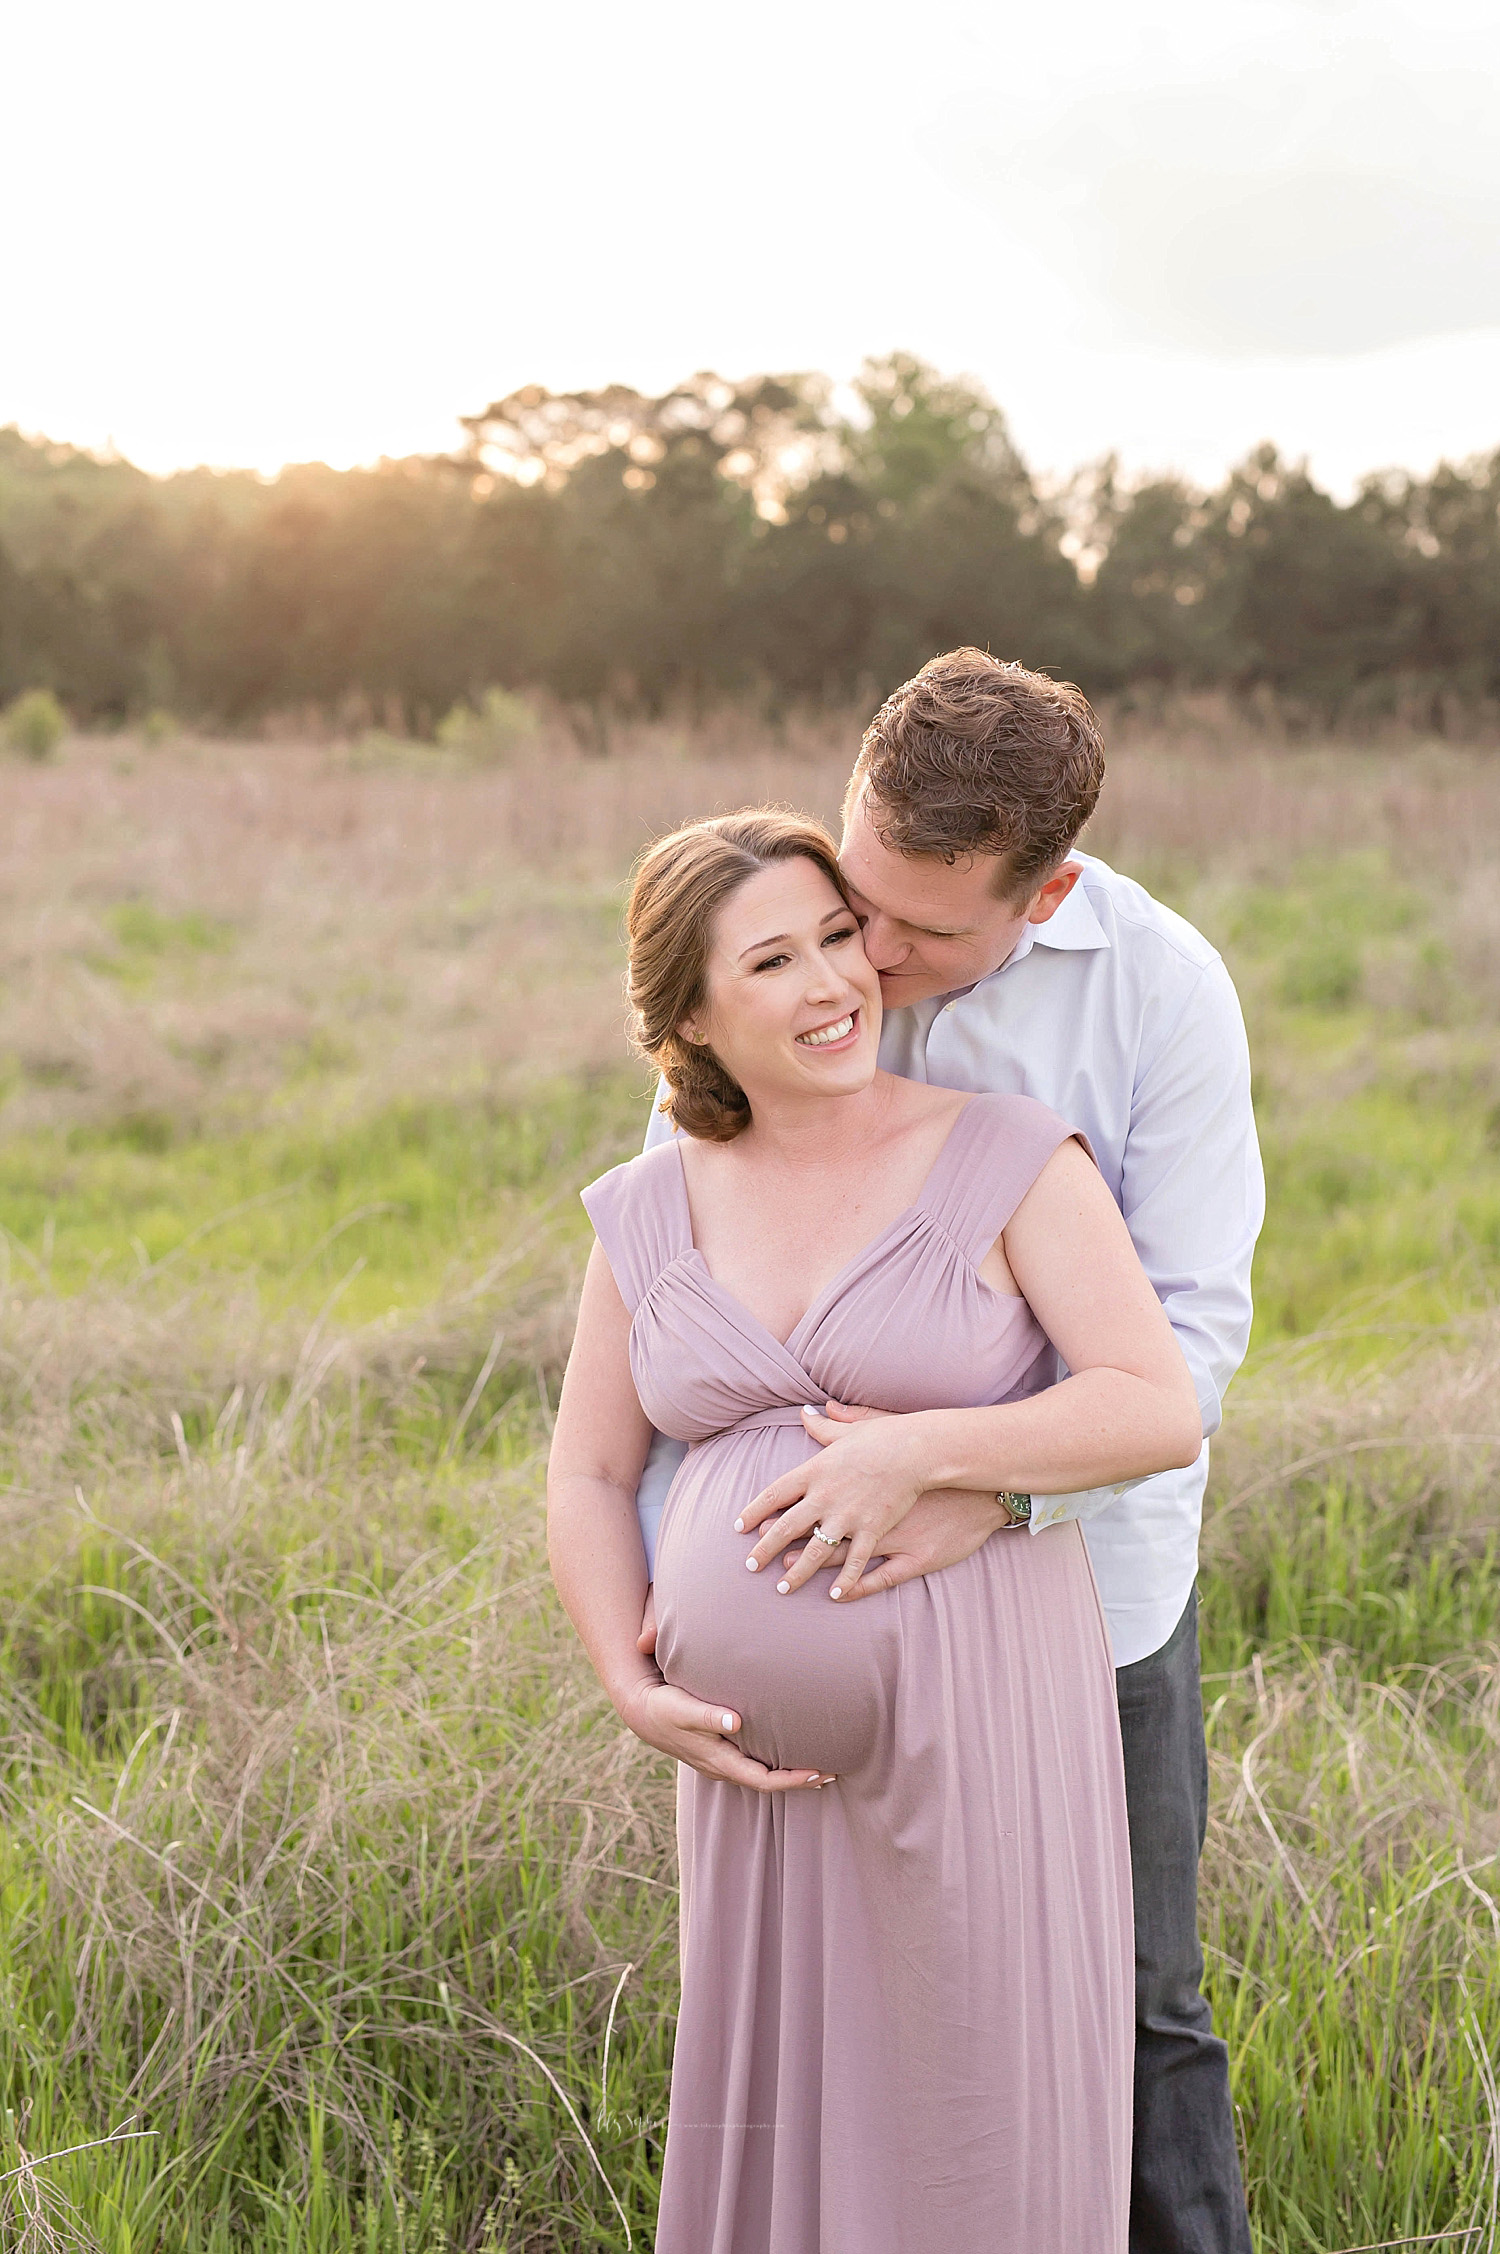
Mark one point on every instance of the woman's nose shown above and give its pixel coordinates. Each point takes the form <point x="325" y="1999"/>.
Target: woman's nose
<point x="825" y="977"/>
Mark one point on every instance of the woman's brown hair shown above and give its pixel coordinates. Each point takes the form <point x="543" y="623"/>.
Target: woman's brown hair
<point x="681" y="882"/>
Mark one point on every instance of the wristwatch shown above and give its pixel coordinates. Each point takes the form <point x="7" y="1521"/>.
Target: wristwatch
<point x="1019" y="1506"/>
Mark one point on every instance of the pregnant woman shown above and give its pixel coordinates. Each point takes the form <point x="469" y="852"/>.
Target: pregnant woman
<point x="906" y="2022"/>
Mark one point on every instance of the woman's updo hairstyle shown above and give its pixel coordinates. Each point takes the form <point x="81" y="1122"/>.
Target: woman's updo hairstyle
<point x="681" y="882"/>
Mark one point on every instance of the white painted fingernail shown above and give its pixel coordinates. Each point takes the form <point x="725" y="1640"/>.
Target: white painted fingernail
<point x="835" y="1592"/>
<point x="739" y="1526"/>
<point x="810" y="1409"/>
<point x="726" y="1721"/>
<point x="782" y="1587"/>
<point x="752" y="1565"/>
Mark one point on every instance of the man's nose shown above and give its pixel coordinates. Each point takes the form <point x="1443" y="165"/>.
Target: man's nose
<point x="884" y="950"/>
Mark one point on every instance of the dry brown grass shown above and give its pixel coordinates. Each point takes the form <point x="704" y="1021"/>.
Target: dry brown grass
<point x="403" y="922"/>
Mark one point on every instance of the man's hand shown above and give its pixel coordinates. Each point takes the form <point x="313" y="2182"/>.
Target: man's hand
<point x="943" y="1527"/>
<point x="688" y="1729"/>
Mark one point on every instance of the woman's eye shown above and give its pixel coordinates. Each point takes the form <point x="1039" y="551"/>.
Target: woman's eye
<point x="835" y="936"/>
<point x="771" y="962"/>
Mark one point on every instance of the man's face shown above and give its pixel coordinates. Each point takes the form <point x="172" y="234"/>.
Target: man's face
<point x="930" y="928"/>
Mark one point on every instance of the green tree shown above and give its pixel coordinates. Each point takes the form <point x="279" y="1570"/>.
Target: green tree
<point x="35" y="724"/>
<point x="616" y="545"/>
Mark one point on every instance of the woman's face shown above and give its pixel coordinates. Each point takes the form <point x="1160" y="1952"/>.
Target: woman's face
<point x="793" y="1005"/>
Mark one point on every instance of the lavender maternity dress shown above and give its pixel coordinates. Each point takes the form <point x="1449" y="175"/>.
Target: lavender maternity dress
<point x="907" y="2020"/>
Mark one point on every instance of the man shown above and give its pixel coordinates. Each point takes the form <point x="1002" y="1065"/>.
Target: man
<point x="1008" y="962"/>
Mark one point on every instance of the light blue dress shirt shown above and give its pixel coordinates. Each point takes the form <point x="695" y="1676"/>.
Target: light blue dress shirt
<point x="1123" y="1019"/>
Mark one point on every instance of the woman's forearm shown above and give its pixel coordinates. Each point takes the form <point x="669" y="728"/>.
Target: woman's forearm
<point x="1091" y="1430"/>
<point x="599" y="1566"/>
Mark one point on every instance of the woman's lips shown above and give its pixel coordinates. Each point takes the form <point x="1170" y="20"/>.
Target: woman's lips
<point x="838" y="1033"/>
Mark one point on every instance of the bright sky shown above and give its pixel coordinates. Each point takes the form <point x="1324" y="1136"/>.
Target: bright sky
<point x="316" y="228"/>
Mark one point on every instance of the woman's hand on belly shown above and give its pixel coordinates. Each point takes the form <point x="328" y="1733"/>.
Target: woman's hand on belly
<point x="677" y="1723"/>
<point x="861" y="1493"/>
<point x="942" y="1528"/>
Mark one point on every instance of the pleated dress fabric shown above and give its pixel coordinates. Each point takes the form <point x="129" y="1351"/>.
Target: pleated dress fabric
<point x="907" y="2016"/>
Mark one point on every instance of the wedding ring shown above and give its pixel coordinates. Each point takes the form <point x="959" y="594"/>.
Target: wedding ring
<point x="833" y="1540"/>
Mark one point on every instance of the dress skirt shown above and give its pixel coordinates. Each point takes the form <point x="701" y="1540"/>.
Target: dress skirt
<point x="907" y="2018"/>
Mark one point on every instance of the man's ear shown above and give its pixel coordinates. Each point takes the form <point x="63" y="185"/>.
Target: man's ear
<point x="1051" y="895"/>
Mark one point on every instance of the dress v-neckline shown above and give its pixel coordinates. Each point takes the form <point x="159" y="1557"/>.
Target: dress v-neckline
<point x="815" y="1304"/>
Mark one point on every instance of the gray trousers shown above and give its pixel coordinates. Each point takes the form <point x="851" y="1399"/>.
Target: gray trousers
<point x="1186" y="2193"/>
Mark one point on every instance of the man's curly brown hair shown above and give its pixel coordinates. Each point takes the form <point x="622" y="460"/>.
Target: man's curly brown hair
<point x="977" y="755"/>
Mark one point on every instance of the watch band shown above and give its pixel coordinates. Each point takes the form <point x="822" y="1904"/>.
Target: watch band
<point x="1019" y="1506"/>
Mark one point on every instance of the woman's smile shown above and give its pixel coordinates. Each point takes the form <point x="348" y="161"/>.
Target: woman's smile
<point x="839" y="1033"/>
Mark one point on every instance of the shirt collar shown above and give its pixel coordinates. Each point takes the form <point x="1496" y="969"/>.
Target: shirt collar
<point x="1073" y="929"/>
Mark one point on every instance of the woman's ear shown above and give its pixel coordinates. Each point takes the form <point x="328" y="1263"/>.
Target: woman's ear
<point x="688" y="1032"/>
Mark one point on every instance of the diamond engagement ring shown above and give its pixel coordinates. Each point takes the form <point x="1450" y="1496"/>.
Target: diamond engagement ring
<point x="833" y="1540"/>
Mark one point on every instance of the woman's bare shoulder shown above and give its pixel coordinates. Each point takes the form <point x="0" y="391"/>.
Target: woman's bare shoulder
<point x="914" y="1102"/>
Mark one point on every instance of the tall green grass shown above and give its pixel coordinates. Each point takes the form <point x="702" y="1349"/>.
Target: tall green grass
<point x="324" y="1862"/>
<point x="338" y="1910"/>
<point x="321" y="1864"/>
<point x="416" y="1194"/>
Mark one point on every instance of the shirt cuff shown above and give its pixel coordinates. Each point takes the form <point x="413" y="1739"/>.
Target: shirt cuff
<point x="1088" y="1502"/>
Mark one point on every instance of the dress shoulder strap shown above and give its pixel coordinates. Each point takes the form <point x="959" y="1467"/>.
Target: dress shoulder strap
<point x="640" y="1216"/>
<point x="998" y="1147"/>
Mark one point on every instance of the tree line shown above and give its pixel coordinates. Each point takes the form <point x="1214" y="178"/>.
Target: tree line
<point x="772" y="537"/>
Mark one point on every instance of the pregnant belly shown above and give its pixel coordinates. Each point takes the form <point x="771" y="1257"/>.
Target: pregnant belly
<point x="812" y="1680"/>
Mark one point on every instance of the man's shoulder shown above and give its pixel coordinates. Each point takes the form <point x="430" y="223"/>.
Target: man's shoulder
<point x="660" y="1128"/>
<point x="1139" y="926"/>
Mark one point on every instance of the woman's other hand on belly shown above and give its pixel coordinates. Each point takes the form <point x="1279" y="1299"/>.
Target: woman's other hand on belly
<point x="692" y="1730"/>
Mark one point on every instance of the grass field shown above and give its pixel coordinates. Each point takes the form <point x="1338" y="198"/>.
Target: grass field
<point x="333" y="1895"/>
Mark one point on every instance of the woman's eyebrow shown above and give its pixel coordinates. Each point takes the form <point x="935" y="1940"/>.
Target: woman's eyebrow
<point x="778" y="937"/>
